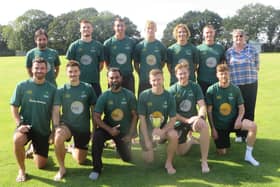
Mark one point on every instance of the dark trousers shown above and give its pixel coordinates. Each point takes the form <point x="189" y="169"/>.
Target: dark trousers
<point x="99" y="138"/>
<point x="249" y="93"/>
<point x="204" y="86"/>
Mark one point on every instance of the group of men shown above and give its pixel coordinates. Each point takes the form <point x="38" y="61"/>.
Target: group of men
<point x="164" y="115"/>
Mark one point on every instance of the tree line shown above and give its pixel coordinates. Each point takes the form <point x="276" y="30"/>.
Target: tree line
<point x="261" y="22"/>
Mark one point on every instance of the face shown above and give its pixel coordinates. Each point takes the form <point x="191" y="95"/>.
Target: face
<point x="156" y="81"/>
<point x="238" y="38"/>
<point x="86" y="29"/>
<point x="209" y="34"/>
<point x="182" y="75"/>
<point x="223" y="77"/>
<point x="114" y="80"/>
<point x="41" y="41"/>
<point x="119" y="27"/>
<point x="39" y="70"/>
<point x="150" y="30"/>
<point x="73" y="73"/>
<point x="181" y="34"/>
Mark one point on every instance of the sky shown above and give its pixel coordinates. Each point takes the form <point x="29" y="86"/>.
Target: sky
<point x="161" y="11"/>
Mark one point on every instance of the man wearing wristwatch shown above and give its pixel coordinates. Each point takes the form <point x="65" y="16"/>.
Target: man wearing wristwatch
<point x="188" y="95"/>
<point x="76" y="99"/>
<point x="31" y="106"/>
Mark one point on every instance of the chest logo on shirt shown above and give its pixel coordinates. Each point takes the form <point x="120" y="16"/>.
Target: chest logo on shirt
<point x="225" y="109"/>
<point x="185" y="105"/>
<point x="121" y="58"/>
<point x="86" y="60"/>
<point x="77" y="107"/>
<point x="48" y="67"/>
<point x="117" y="114"/>
<point x="29" y="92"/>
<point x="211" y="62"/>
<point x="156" y="118"/>
<point x="151" y="60"/>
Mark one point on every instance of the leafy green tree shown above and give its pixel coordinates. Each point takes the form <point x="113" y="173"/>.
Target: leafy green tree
<point x="195" y="20"/>
<point x="23" y="29"/>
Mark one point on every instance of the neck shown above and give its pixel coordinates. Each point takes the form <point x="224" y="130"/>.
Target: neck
<point x="151" y="39"/>
<point x="39" y="81"/>
<point x="184" y="83"/>
<point x="182" y="42"/>
<point x="116" y="90"/>
<point x="209" y="42"/>
<point x="223" y="85"/>
<point x="75" y="83"/>
<point x="119" y="36"/>
<point x="157" y="90"/>
<point x="86" y="39"/>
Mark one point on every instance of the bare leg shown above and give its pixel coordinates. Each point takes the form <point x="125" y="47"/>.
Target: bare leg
<point x="172" y="138"/>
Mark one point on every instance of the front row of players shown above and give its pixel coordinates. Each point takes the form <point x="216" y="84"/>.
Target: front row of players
<point x="164" y="116"/>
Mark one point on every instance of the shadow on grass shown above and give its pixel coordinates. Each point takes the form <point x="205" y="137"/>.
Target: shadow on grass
<point x="229" y="170"/>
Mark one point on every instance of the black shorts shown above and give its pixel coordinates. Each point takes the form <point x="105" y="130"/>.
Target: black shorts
<point x="81" y="139"/>
<point x="182" y="130"/>
<point x="223" y="140"/>
<point x="40" y="143"/>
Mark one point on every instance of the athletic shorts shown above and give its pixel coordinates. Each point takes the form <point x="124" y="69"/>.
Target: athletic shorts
<point x="81" y="139"/>
<point x="182" y="130"/>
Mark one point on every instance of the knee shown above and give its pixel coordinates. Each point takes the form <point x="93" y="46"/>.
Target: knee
<point x="172" y="135"/>
<point x="253" y="128"/>
<point x="19" y="139"/>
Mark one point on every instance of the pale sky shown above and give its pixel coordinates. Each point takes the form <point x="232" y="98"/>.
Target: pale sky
<point x="161" y="11"/>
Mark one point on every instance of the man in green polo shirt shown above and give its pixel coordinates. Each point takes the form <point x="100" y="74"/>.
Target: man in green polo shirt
<point x="188" y="96"/>
<point x="31" y="106"/>
<point x="118" y="52"/>
<point x="90" y="54"/>
<point x="225" y="107"/>
<point x="50" y="55"/>
<point x="76" y="99"/>
<point x="157" y="114"/>
<point x="117" y="105"/>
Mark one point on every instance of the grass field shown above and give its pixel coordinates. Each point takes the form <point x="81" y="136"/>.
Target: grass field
<point x="230" y="170"/>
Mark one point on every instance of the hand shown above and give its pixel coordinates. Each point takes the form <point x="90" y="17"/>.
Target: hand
<point x="24" y="128"/>
<point x="238" y="123"/>
<point x="214" y="133"/>
<point x="115" y="130"/>
<point x="158" y="132"/>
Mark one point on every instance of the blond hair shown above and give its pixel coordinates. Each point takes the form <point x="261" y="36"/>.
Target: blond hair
<point x="184" y="26"/>
<point x="182" y="65"/>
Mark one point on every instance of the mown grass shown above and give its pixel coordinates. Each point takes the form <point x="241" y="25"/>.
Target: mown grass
<point x="230" y="170"/>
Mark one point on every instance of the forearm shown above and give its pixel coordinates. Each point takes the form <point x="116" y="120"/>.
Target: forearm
<point x="15" y="114"/>
<point x="56" y="116"/>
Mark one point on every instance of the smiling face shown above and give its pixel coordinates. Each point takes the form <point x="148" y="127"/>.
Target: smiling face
<point x="86" y="30"/>
<point x="73" y="74"/>
<point x="114" y="80"/>
<point x="238" y="37"/>
<point x="182" y="75"/>
<point x="209" y="35"/>
<point x="39" y="70"/>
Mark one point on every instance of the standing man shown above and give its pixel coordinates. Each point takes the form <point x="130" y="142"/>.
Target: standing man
<point x="225" y="107"/>
<point x="188" y="95"/>
<point x="76" y="99"/>
<point x="118" y="106"/>
<point x="149" y="54"/>
<point x="157" y="114"/>
<point x="90" y="54"/>
<point x="181" y="51"/>
<point x="119" y="53"/>
<point x="210" y="55"/>
<point x="31" y="106"/>
<point x="50" y="55"/>
<point x="243" y="62"/>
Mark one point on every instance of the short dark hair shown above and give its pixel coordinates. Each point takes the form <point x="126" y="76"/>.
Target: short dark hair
<point x="114" y="69"/>
<point x="73" y="63"/>
<point x="39" y="60"/>
<point x="40" y="32"/>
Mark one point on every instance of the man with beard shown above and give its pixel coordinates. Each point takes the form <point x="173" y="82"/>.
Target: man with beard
<point x="31" y="106"/>
<point x="118" y="106"/>
<point x="89" y="53"/>
<point x="225" y="107"/>
<point x="76" y="99"/>
<point x="50" y="55"/>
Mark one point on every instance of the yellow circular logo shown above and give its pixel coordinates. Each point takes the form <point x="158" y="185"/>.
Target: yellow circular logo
<point x="117" y="114"/>
<point x="225" y="109"/>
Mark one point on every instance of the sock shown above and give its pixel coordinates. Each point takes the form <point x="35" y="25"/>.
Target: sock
<point x="249" y="157"/>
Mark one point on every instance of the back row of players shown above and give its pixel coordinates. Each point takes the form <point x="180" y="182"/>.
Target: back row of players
<point x="155" y="108"/>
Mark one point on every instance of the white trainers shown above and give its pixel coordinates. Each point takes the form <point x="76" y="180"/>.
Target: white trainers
<point x="238" y="139"/>
<point x="93" y="175"/>
<point x="252" y="160"/>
